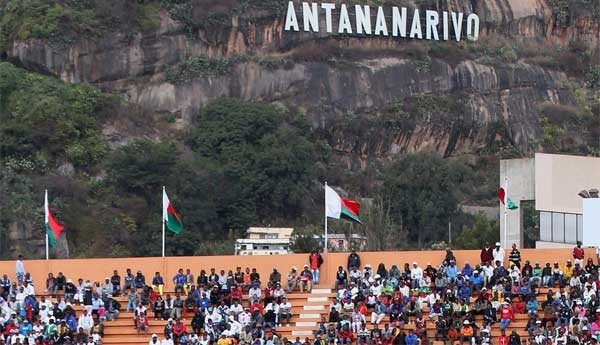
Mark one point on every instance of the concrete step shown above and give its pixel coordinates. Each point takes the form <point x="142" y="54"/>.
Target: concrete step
<point x="313" y="307"/>
<point x="317" y="299"/>
<point x="309" y="316"/>
<point x="306" y="324"/>
<point x="299" y="333"/>
<point x="320" y="291"/>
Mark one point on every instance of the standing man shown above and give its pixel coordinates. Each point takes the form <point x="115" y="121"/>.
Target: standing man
<point x="353" y="261"/>
<point x="498" y="254"/>
<point x="20" y="268"/>
<point x="486" y="254"/>
<point x="578" y="254"/>
<point x="316" y="260"/>
<point x="515" y="256"/>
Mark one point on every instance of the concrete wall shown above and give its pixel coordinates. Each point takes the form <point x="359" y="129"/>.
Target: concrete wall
<point x="97" y="269"/>
<point x="558" y="179"/>
<point x="521" y="186"/>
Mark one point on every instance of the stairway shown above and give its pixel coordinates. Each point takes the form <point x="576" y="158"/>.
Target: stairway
<point x="312" y="311"/>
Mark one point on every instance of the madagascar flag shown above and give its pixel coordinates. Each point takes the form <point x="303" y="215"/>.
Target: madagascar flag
<point x="53" y="228"/>
<point x="170" y="217"/>
<point x="336" y="207"/>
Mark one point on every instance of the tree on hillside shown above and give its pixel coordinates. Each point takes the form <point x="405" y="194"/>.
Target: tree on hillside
<point x="424" y="194"/>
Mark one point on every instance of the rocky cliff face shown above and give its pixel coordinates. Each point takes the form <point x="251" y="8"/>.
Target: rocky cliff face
<point x="336" y="79"/>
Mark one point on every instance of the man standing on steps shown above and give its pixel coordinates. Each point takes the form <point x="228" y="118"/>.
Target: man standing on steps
<point x="315" y="260"/>
<point x="20" y="268"/>
<point x="515" y="256"/>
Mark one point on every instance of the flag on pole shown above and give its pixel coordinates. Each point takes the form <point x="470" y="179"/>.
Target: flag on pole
<point x="336" y="207"/>
<point x="53" y="228"/>
<point x="170" y="217"/>
<point x="504" y="199"/>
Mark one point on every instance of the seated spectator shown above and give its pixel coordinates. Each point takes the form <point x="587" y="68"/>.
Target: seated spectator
<point x="179" y="280"/>
<point x="116" y="282"/>
<point x="506" y="315"/>
<point x="141" y="323"/>
<point x="275" y="276"/>
<point x="466" y="332"/>
<point x="158" y="283"/>
<point x="292" y="280"/>
<point x="255" y="293"/>
<point x="305" y="280"/>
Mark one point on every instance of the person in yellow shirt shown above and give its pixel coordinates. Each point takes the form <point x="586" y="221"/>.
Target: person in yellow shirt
<point x="568" y="271"/>
<point x="223" y="340"/>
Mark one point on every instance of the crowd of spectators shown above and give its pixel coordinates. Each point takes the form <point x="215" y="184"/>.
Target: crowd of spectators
<point x="373" y="306"/>
<point x="467" y="303"/>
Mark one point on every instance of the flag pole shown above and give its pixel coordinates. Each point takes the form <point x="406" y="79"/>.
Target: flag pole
<point x="163" y="223"/>
<point x="46" y="221"/>
<point x="325" y="245"/>
<point x="505" y="212"/>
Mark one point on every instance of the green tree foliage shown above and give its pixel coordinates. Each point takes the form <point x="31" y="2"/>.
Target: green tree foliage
<point x="263" y="155"/>
<point x="41" y="116"/>
<point x="424" y="192"/>
<point x="475" y="236"/>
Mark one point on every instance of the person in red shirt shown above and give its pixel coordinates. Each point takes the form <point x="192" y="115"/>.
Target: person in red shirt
<point x="257" y="307"/>
<point x="578" y="254"/>
<point x="519" y="306"/>
<point x="502" y="339"/>
<point x="506" y="315"/>
<point x="178" y="331"/>
<point x="345" y="335"/>
<point x="486" y="254"/>
<point x="236" y="292"/>
<point x="315" y="261"/>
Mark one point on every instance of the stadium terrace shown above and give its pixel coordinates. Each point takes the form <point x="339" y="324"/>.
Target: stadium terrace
<point x="381" y="21"/>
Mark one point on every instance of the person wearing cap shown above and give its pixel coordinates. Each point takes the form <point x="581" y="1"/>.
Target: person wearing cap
<point x="466" y="332"/>
<point x="506" y="315"/>
<point x="305" y="280"/>
<point x="486" y="338"/>
<point x="154" y="340"/>
<point x="498" y="253"/>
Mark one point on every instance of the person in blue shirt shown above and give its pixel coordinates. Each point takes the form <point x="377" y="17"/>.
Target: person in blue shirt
<point x="179" y="280"/>
<point x="71" y="322"/>
<point x="452" y="271"/>
<point x="477" y="281"/>
<point x="411" y="338"/>
<point x="203" y="302"/>
<point x="467" y="271"/>
<point x="158" y="283"/>
<point x="465" y="292"/>
<point x="25" y="328"/>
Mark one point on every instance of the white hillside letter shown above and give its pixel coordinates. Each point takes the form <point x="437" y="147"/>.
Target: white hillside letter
<point x="310" y="15"/>
<point x="328" y="7"/>
<point x="291" y="22"/>
<point x="415" y="29"/>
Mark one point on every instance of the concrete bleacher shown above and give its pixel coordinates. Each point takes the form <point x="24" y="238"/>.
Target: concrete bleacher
<point x="307" y="308"/>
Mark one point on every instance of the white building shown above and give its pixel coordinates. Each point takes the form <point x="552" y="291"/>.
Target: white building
<point x="264" y="241"/>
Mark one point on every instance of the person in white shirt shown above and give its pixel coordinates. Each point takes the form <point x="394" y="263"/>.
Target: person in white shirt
<point x="416" y="274"/>
<point x="167" y="340"/>
<point x="285" y="311"/>
<point x="278" y="292"/>
<point x="498" y="253"/>
<point x="245" y="317"/>
<point x="274" y="307"/>
<point x="336" y="305"/>
<point x="20" y="268"/>
<point x="254" y="294"/>
<point x="29" y="289"/>
<point x="44" y="313"/>
<point x="376" y="289"/>
<point x="85" y="321"/>
<point x="236" y="308"/>
<point x="405" y="290"/>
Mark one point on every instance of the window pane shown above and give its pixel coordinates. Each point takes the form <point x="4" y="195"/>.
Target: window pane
<point x="571" y="228"/>
<point x="545" y="226"/>
<point x="558" y="227"/>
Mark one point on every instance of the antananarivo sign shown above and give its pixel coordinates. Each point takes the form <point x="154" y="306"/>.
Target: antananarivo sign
<point x="451" y="22"/>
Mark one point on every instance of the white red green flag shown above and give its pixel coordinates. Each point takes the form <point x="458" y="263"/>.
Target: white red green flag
<point x="170" y="217"/>
<point x="336" y="207"/>
<point x="52" y="226"/>
<point x="504" y="199"/>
